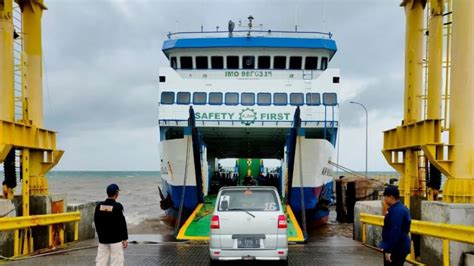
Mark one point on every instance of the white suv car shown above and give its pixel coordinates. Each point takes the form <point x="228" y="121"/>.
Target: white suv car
<point x="248" y="223"/>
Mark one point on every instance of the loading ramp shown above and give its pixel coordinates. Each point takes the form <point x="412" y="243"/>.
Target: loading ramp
<point x="198" y="225"/>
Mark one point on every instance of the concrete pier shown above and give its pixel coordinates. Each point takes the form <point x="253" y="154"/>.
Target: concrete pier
<point x="374" y="233"/>
<point x="449" y="213"/>
<point x="7" y="209"/>
<point x="86" y="228"/>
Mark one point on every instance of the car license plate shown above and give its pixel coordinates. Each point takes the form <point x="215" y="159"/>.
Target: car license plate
<point x="248" y="242"/>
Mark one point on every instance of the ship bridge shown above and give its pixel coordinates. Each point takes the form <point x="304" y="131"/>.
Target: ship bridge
<point x="245" y="87"/>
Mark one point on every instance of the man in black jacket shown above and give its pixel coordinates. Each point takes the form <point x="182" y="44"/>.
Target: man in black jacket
<point x="111" y="228"/>
<point x="396" y="228"/>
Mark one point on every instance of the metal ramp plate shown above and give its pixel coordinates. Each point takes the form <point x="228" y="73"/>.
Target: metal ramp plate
<point x="197" y="226"/>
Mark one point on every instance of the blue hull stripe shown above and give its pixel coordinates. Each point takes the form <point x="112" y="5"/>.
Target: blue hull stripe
<point x="190" y="196"/>
<point x="268" y="42"/>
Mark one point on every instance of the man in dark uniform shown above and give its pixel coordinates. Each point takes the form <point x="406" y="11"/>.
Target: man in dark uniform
<point x="395" y="240"/>
<point x="111" y="228"/>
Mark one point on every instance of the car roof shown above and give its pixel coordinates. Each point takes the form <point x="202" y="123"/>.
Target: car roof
<point x="249" y="188"/>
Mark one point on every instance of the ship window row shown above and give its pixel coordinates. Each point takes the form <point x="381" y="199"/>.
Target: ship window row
<point x="250" y="62"/>
<point x="248" y="98"/>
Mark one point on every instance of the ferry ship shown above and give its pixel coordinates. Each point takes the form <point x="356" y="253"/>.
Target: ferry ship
<point x="248" y="95"/>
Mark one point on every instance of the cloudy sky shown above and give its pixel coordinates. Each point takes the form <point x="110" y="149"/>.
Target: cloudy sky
<point x="102" y="59"/>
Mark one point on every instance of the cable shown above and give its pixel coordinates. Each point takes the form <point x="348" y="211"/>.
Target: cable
<point x="16" y="206"/>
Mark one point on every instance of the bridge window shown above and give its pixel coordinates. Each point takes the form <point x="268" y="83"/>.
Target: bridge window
<point x="248" y="62"/>
<point x="217" y="62"/>
<point x="330" y="99"/>
<point x="215" y="98"/>
<point x="295" y="62"/>
<point x="324" y="63"/>
<point x="199" y="98"/>
<point x="311" y="63"/>
<point x="280" y="99"/>
<point x="233" y="62"/>
<point x="167" y="97"/>
<point x="173" y="62"/>
<point x="279" y="62"/>
<point x="201" y="62"/>
<point x="186" y="62"/>
<point x="183" y="97"/>
<point x="296" y="99"/>
<point x="247" y="98"/>
<point x="264" y="62"/>
<point x="231" y="98"/>
<point x="264" y="98"/>
<point x="313" y="99"/>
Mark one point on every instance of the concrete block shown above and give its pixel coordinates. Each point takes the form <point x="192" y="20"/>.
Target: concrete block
<point x="374" y="233"/>
<point x="7" y="209"/>
<point x="40" y="205"/>
<point x="450" y="213"/>
<point x="86" y="230"/>
<point x="469" y="259"/>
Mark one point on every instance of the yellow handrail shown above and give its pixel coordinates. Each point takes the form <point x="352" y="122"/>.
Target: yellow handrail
<point x="447" y="232"/>
<point x="25" y="223"/>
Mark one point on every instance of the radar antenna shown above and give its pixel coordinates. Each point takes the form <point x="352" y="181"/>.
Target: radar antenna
<point x="250" y="18"/>
<point x="231" y="27"/>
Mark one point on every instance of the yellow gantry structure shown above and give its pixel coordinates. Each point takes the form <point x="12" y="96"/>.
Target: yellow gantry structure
<point x="403" y="144"/>
<point x="23" y="134"/>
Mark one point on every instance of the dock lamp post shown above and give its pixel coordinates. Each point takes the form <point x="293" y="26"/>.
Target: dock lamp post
<point x="366" y="135"/>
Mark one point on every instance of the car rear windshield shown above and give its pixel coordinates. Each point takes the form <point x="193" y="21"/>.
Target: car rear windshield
<point x="248" y="200"/>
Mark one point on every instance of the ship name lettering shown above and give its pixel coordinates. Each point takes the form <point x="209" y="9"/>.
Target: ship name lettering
<point x="218" y="116"/>
<point x="248" y="74"/>
<point x="275" y="116"/>
<point x="232" y="73"/>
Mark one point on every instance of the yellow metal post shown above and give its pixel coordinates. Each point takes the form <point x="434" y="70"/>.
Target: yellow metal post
<point x="409" y="179"/>
<point x="413" y="87"/>
<point x="435" y="58"/>
<point x="50" y="235"/>
<point x="16" y="242"/>
<point x="25" y="185"/>
<point x="76" y="231"/>
<point x="459" y="188"/>
<point x="445" y="252"/>
<point x="7" y="93"/>
<point x="364" y="232"/>
<point x="32" y="12"/>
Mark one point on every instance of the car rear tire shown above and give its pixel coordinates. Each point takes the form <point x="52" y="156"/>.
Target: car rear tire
<point x="283" y="262"/>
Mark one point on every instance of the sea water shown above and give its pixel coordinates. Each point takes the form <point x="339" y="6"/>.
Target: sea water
<point x="138" y="190"/>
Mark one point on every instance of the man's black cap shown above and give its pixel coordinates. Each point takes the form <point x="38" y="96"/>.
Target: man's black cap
<point x="112" y="189"/>
<point x="391" y="191"/>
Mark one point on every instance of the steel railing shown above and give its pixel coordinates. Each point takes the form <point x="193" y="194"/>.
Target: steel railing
<point x="446" y="232"/>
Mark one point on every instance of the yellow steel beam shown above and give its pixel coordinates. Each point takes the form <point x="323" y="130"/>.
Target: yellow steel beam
<point x="4" y="150"/>
<point x="24" y="136"/>
<point x="454" y="232"/>
<point x="7" y="93"/>
<point x="413" y="59"/>
<point x="460" y="188"/>
<point x="412" y="136"/>
<point x="435" y="58"/>
<point x="14" y="223"/>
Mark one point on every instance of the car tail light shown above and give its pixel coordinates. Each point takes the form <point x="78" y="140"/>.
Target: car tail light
<point x="281" y="221"/>
<point x="215" y="222"/>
